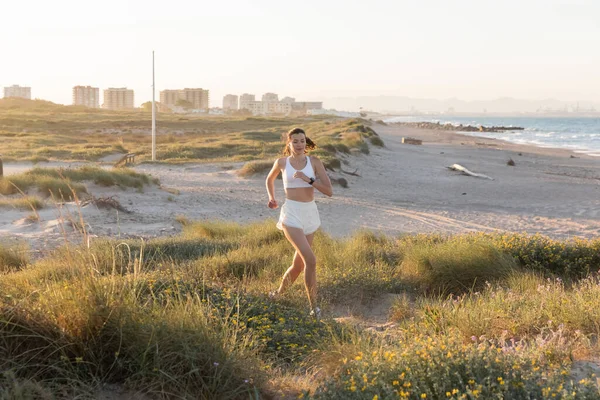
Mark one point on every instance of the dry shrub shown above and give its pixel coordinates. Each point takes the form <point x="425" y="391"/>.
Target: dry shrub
<point x="255" y="167"/>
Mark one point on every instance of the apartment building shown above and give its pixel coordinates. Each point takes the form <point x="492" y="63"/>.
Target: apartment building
<point x="230" y="102"/>
<point x="278" y="107"/>
<point x="169" y="97"/>
<point x="198" y="97"/>
<point x="118" y="99"/>
<point x="245" y="99"/>
<point x="255" y="107"/>
<point x="270" y="98"/>
<point x="86" y="96"/>
<point x="264" y="108"/>
<point x="271" y="104"/>
<point x="17" y="91"/>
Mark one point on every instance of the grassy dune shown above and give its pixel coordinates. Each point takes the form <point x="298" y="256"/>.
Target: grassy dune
<point x="29" y="190"/>
<point x="42" y="131"/>
<point x="477" y="316"/>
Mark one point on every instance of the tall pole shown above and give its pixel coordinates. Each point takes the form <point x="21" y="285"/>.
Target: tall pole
<point x="153" y="114"/>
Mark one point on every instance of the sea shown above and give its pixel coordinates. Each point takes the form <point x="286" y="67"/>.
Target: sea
<point x="580" y="134"/>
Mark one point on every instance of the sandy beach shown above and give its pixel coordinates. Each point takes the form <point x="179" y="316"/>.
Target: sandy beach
<point x="401" y="189"/>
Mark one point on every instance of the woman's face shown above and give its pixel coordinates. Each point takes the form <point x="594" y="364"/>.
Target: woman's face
<point x="297" y="143"/>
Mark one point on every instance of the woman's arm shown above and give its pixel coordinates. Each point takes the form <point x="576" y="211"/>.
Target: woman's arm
<point x="270" y="182"/>
<point x="322" y="184"/>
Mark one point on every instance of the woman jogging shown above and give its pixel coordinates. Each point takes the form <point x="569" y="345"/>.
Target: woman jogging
<point x="299" y="218"/>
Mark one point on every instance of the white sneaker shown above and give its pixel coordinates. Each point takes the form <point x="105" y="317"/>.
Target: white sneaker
<point x="273" y="294"/>
<point x="316" y="312"/>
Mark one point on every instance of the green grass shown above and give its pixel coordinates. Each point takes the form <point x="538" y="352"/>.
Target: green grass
<point x="13" y="258"/>
<point x="62" y="182"/>
<point x="22" y="203"/>
<point x="255" y="167"/>
<point x="455" y="267"/>
<point x="477" y="316"/>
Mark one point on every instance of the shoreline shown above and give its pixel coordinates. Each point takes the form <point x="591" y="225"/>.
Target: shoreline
<point x="528" y="131"/>
<point x="456" y="137"/>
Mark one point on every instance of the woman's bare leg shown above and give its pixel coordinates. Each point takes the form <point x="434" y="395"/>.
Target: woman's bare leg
<point x="295" y="269"/>
<point x="302" y="245"/>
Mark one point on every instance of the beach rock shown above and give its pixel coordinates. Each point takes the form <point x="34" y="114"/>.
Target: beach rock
<point x="460" y="128"/>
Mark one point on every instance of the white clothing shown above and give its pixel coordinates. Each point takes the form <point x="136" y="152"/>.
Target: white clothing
<point x="299" y="214"/>
<point x="288" y="175"/>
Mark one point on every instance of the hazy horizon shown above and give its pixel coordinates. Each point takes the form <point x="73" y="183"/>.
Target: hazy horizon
<point x="311" y="51"/>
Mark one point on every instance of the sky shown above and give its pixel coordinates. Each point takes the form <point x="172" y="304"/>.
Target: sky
<point x="310" y="50"/>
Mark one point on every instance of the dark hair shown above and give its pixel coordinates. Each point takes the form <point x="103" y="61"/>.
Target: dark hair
<point x="310" y="145"/>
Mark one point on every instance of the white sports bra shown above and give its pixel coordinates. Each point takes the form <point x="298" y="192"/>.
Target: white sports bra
<point x="288" y="175"/>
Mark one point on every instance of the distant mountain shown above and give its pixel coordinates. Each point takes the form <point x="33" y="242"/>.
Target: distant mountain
<point x="402" y="104"/>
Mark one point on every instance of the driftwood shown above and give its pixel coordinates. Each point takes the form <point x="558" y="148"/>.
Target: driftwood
<point x="460" y="168"/>
<point x="350" y="173"/>
<point x="127" y="159"/>
<point x="409" y="140"/>
<point x="106" y="202"/>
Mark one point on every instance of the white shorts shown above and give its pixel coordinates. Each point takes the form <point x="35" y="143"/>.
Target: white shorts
<point x="298" y="214"/>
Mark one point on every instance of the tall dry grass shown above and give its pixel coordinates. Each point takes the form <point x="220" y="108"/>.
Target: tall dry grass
<point x="188" y="317"/>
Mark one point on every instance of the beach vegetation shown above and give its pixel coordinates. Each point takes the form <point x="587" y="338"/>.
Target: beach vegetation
<point x="473" y="316"/>
<point x="377" y="141"/>
<point x="255" y="167"/>
<point x="41" y="131"/>
<point x="22" y="203"/>
<point x="64" y="183"/>
<point x="13" y="257"/>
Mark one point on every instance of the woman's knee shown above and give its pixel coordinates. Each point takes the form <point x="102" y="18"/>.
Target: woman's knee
<point x="297" y="268"/>
<point x="310" y="261"/>
<point x="298" y="259"/>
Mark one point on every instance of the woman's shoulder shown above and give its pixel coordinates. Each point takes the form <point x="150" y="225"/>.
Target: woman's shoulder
<point x="281" y="161"/>
<point x="314" y="159"/>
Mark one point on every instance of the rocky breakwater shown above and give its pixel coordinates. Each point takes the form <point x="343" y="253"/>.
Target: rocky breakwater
<point x="459" y="128"/>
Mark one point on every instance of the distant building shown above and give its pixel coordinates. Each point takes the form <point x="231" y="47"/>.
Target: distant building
<point x="278" y="107"/>
<point x="270" y="97"/>
<point x="271" y="104"/>
<point x="86" y="96"/>
<point x="304" y="106"/>
<point x="264" y="108"/>
<point x="198" y="97"/>
<point x="255" y="107"/>
<point x="17" y="91"/>
<point x="230" y="102"/>
<point x="118" y="99"/>
<point x="169" y="97"/>
<point x="245" y="99"/>
<point x="346" y="114"/>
